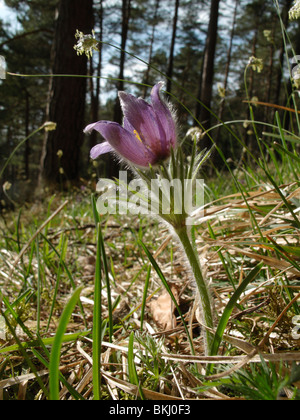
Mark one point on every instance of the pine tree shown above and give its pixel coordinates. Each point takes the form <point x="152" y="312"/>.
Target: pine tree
<point x="67" y="94"/>
<point x="95" y="68"/>
<point x="172" y="47"/>
<point x="207" y="77"/>
<point x="23" y="100"/>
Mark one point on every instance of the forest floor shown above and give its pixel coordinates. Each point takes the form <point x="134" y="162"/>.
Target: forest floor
<point x="48" y="250"/>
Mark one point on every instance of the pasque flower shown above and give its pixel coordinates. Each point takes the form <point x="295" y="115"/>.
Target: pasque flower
<point x="146" y="139"/>
<point x="148" y="133"/>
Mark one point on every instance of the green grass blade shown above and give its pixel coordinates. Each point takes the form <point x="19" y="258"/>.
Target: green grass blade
<point x="226" y="268"/>
<point x="23" y="350"/>
<point x="145" y="297"/>
<point x="229" y="308"/>
<point x="72" y="281"/>
<point x="15" y="316"/>
<point x="287" y="152"/>
<point x="57" y="282"/>
<point x="282" y="135"/>
<point x="76" y="395"/>
<point x="97" y="321"/>
<point x="107" y="282"/>
<point x="286" y="202"/>
<point x="105" y="266"/>
<point x="132" y="373"/>
<point x="56" y="348"/>
<point x="131" y="367"/>
<point x="41" y="342"/>
<point x="39" y="286"/>
<point x="94" y="208"/>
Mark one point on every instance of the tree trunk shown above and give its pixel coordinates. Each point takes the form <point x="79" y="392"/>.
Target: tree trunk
<point x="227" y="68"/>
<point x="147" y="74"/>
<point x="206" y="82"/>
<point x="95" y="90"/>
<point x="112" y="166"/>
<point x="66" y="104"/>
<point x="126" y="8"/>
<point x="285" y="21"/>
<point x="171" y="57"/>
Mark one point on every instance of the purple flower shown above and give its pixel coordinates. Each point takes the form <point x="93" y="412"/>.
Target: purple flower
<point x="147" y="135"/>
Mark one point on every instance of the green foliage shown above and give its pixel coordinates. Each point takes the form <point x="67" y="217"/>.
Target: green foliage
<point x="260" y="382"/>
<point x="263" y="382"/>
<point x="57" y="343"/>
<point x="23" y="100"/>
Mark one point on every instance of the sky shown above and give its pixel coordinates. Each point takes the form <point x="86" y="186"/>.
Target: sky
<point x="6" y="14"/>
<point x="4" y="11"/>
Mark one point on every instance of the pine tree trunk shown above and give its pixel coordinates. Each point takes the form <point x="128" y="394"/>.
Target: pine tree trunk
<point x="208" y="68"/>
<point x="95" y="90"/>
<point x="279" y="85"/>
<point x="152" y="39"/>
<point x="112" y="166"/>
<point x="67" y="94"/>
<point x="228" y="62"/>
<point x="172" y="48"/>
<point x="126" y="9"/>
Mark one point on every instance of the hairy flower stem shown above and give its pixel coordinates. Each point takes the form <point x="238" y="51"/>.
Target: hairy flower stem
<point x="205" y="305"/>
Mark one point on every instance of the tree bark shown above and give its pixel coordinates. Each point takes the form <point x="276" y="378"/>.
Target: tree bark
<point x="285" y="21"/>
<point x="95" y="90"/>
<point x="112" y="166"/>
<point x="126" y="9"/>
<point x="228" y="62"/>
<point x="152" y="39"/>
<point x="66" y="104"/>
<point x="172" y="48"/>
<point x="206" y="83"/>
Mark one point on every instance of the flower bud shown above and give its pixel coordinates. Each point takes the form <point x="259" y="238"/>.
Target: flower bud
<point x="294" y="12"/>
<point x="2" y="67"/>
<point x="49" y="126"/>
<point x="256" y="64"/>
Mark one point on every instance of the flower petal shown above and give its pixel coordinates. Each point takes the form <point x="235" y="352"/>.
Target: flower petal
<point x="123" y="142"/>
<point x="100" y="149"/>
<point x="164" y="115"/>
<point x="140" y="115"/>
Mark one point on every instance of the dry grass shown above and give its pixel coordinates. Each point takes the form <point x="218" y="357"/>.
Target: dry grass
<point x="238" y="235"/>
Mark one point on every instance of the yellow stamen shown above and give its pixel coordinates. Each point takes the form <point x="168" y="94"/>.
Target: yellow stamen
<point x="137" y="135"/>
